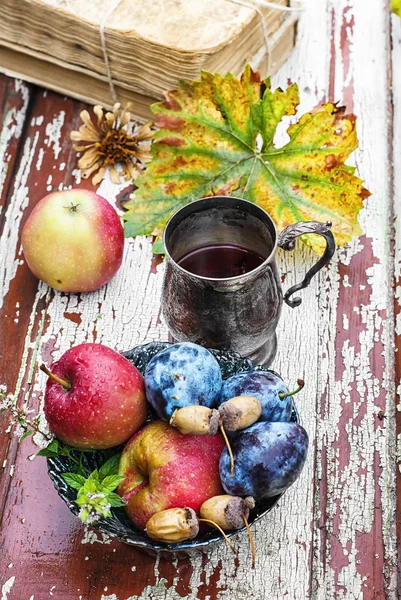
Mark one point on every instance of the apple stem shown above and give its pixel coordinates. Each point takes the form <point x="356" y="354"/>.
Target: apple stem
<point x="251" y="540"/>
<point x="221" y="531"/>
<point x="230" y="452"/>
<point x="66" y="385"/>
<point x="300" y="383"/>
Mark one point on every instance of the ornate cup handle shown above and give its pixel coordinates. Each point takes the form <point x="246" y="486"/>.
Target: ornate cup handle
<point x="286" y="241"/>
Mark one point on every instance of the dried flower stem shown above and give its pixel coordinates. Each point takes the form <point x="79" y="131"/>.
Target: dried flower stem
<point x="221" y="531"/>
<point x="251" y="540"/>
<point x="230" y="452"/>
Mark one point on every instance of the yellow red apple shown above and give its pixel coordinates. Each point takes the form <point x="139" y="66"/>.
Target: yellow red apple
<point x="73" y="240"/>
<point x="99" y="399"/>
<point x="164" y="469"/>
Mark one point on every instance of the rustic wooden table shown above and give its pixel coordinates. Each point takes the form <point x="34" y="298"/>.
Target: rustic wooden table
<point x="334" y="534"/>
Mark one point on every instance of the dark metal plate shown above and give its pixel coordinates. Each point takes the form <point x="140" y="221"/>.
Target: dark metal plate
<point x="119" y="525"/>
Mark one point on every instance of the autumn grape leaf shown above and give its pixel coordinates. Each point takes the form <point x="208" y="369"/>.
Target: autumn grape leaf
<point x="216" y="137"/>
<point x="396" y="7"/>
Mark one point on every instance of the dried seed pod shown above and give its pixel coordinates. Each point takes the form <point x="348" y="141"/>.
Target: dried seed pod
<point x="196" y="419"/>
<point x="227" y="511"/>
<point x="173" y="525"/>
<point x="240" y="412"/>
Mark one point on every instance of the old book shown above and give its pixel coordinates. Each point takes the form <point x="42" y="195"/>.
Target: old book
<point x="149" y="45"/>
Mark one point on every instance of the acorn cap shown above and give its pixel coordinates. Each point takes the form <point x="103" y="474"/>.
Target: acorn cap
<point x="235" y="510"/>
<point x="196" y="419"/>
<point x="230" y="416"/>
<point x="227" y="511"/>
<point x="240" y="412"/>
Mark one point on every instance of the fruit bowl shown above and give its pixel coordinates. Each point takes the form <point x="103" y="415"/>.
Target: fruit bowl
<point x="119" y="526"/>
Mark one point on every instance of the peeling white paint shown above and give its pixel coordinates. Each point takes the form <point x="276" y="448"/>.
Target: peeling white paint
<point x="37" y="121"/>
<point x="6" y="588"/>
<point x="12" y="128"/>
<point x="346" y="282"/>
<point x="54" y="133"/>
<point x="90" y="536"/>
<point x="39" y="162"/>
<point x="352" y="482"/>
<point x="77" y="174"/>
<point x="18" y="203"/>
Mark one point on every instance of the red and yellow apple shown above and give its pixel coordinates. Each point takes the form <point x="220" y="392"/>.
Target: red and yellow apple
<point x="95" y="398"/>
<point x="73" y="240"/>
<point x="164" y="468"/>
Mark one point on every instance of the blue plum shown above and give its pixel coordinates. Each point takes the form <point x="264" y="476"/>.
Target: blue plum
<point x="268" y="459"/>
<point x="266" y="386"/>
<point x="181" y="375"/>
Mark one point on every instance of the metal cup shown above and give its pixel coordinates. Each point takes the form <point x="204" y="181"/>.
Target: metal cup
<point x="235" y="313"/>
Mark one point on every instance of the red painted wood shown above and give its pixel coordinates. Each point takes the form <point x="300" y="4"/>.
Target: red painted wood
<point x="372" y="565"/>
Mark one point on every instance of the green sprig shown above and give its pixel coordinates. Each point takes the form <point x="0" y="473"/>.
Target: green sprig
<point x="95" y="493"/>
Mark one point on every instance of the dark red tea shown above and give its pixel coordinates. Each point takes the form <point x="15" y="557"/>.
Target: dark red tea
<point x="220" y="261"/>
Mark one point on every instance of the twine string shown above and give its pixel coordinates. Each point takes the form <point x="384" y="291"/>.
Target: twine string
<point x="267" y="3"/>
<point x="102" y="26"/>
<point x="253" y="4"/>
<point x="262" y="20"/>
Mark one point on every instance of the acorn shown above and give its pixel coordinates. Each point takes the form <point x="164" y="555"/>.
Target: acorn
<point x="177" y="525"/>
<point x="239" y="412"/>
<point x="173" y="525"/>
<point x="196" y="419"/>
<point x="227" y="511"/>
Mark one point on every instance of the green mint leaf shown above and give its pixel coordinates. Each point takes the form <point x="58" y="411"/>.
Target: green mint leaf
<point x="110" y="483"/>
<point x="94" y="476"/>
<point x="84" y="514"/>
<point x="89" y="486"/>
<point x="104" y="511"/>
<point x="47" y="453"/>
<point x="110" y="467"/>
<point x="25" y="435"/>
<point x="53" y="446"/>
<point x="82" y="498"/>
<point x="115" y="500"/>
<point x="74" y="480"/>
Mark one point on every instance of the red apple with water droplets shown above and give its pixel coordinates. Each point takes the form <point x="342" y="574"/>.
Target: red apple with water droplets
<point x="95" y="398"/>
<point x="164" y="468"/>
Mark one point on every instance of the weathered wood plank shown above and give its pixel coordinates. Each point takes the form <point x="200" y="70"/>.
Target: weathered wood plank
<point x="396" y="122"/>
<point x="40" y="162"/>
<point x="354" y="525"/>
<point x="14" y="102"/>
